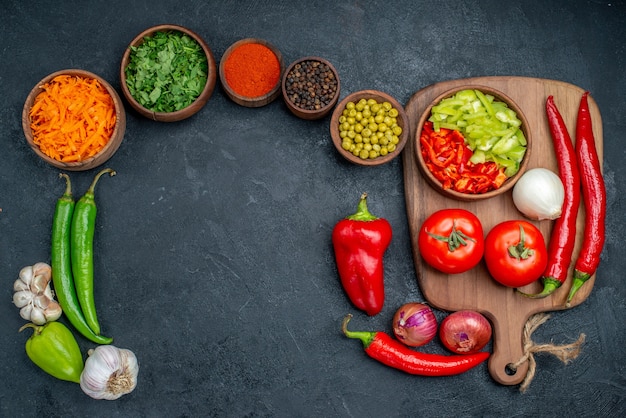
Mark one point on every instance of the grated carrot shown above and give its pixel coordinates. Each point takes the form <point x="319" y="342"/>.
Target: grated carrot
<point x="73" y="118"/>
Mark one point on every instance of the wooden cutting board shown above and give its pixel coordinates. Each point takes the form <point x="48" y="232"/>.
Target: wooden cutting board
<point x="475" y="289"/>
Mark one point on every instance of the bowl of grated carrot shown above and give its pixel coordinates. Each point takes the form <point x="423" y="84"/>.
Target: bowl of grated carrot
<point x="74" y="120"/>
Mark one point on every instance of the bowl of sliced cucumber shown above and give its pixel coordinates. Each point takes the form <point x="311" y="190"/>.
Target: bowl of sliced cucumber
<point x="472" y="143"/>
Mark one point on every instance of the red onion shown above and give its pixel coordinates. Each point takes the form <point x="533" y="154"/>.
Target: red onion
<point x="414" y="324"/>
<point x="465" y="332"/>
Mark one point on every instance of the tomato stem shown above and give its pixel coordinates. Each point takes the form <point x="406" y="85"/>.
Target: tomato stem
<point x="454" y="240"/>
<point x="519" y="251"/>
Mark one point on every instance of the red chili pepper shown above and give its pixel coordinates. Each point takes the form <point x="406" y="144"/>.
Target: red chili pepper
<point x="360" y="241"/>
<point x="594" y="197"/>
<point x="561" y="245"/>
<point x="382" y="347"/>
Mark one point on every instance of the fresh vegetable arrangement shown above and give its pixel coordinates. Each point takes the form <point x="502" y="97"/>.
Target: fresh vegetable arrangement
<point x="472" y="143"/>
<point x="167" y="72"/>
<point x="360" y="241"/>
<point x="109" y="372"/>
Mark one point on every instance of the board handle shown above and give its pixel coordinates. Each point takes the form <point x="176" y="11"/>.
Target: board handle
<point x="507" y="350"/>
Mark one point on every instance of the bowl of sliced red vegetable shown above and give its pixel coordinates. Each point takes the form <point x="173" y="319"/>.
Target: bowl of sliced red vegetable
<point x="369" y="127"/>
<point x="168" y="73"/>
<point x="74" y="120"/>
<point x="472" y="143"/>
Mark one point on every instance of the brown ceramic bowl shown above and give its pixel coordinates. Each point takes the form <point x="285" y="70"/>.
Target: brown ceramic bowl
<point x="258" y="100"/>
<point x="109" y="149"/>
<point x="510" y="182"/>
<point x="325" y="91"/>
<point x="380" y="97"/>
<point x="195" y="106"/>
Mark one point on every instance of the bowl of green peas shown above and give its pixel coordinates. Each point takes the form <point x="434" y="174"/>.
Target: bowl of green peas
<point x="369" y="127"/>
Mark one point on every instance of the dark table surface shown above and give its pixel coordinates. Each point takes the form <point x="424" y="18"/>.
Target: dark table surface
<point x="213" y="254"/>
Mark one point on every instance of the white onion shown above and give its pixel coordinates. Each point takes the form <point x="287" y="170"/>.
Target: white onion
<point x="539" y="194"/>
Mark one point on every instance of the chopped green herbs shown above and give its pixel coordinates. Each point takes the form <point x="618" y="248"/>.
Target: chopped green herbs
<point x="167" y="72"/>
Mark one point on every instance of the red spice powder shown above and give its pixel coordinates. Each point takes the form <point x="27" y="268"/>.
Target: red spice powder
<point x="252" y="70"/>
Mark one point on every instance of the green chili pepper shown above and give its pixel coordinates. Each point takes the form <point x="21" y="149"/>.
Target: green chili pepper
<point x="54" y="349"/>
<point x="82" y="232"/>
<point x="62" y="268"/>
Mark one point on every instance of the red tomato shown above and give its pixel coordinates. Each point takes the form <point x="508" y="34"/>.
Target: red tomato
<point x="451" y="240"/>
<point x="515" y="253"/>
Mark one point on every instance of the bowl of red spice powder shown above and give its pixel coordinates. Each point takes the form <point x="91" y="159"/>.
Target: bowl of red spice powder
<point x="168" y="73"/>
<point x="250" y="72"/>
<point x="74" y="120"/>
<point x="472" y="143"/>
<point x="311" y="87"/>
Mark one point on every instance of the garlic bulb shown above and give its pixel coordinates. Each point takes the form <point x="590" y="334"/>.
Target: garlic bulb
<point x="33" y="295"/>
<point x="539" y="194"/>
<point x="109" y="372"/>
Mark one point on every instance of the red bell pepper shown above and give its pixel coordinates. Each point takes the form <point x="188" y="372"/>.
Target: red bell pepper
<point x="360" y="241"/>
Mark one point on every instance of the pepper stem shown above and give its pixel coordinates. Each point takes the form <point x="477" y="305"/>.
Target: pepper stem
<point x="30" y="325"/>
<point x="550" y="284"/>
<point x="362" y="213"/>
<point x="68" y="185"/>
<point x="579" y="279"/>
<point x="366" y="337"/>
<point x="92" y="188"/>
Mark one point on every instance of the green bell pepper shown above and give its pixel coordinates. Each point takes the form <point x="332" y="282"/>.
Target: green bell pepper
<point x="54" y="349"/>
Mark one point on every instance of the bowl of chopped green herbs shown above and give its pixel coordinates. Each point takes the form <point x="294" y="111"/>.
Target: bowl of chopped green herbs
<point x="168" y="73"/>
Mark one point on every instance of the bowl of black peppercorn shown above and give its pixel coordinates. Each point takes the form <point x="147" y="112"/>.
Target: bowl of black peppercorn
<point x="311" y="87"/>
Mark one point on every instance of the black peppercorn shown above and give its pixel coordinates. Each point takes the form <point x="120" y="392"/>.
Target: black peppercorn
<point x="311" y="85"/>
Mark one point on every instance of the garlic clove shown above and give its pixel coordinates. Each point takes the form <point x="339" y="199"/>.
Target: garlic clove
<point x="26" y="311"/>
<point x="26" y="274"/>
<point x="53" y="311"/>
<point x="19" y="285"/>
<point x="38" y="284"/>
<point x="22" y="298"/>
<point x="37" y="316"/>
<point x="42" y="269"/>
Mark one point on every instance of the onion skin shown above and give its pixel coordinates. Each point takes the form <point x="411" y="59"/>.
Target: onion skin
<point x="414" y="324"/>
<point x="465" y="332"/>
